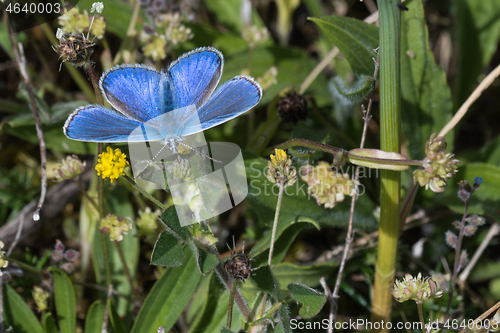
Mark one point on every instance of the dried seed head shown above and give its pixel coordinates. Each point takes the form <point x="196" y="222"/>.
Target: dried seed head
<point x="75" y="49"/>
<point x="476" y="220"/>
<point x="238" y="266"/>
<point x="292" y="108"/>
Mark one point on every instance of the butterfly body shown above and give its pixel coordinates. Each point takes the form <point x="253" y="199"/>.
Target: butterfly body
<point x="149" y="105"/>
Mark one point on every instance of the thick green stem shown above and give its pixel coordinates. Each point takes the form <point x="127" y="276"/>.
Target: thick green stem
<point x="390" y="134"/>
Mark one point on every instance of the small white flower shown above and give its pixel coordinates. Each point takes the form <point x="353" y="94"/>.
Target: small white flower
<point x="59" y="33"/>
<point x="97" y="7"/>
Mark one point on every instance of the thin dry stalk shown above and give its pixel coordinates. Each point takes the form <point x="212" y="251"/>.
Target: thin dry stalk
<point x="21" y="63"/>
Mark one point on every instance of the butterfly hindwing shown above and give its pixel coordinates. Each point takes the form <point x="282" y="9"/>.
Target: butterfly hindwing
<point x="94" y="123"/>
<point x="196" y="75"/>
<point x="232" y="99"/>
<point x="138" y="92"/>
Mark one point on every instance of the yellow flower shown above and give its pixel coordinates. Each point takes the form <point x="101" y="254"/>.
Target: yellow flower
<point x="111" y="164"/>
<point x="281" y="169"/>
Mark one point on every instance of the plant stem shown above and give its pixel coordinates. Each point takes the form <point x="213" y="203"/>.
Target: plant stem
<point x="85" y="194"/>
<point x="221" y="272"/>
<point x="457" y="258"/>
<point x="100" y="181"/>
<point x="390" y="136"/>
<point x="232" y="292"/>
<point x="145" y="193"/>
<point x="281" y="185"/>
<point x="421" y="316"/>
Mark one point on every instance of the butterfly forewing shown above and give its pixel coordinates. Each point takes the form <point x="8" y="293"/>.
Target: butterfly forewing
<point x="196" y="75"/>
<point x="137" y="92"/>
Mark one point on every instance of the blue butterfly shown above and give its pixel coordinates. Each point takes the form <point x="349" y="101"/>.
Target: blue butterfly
<point x="145" y="98"/>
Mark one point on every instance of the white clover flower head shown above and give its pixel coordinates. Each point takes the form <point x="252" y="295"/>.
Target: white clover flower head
<point x="416" y="288"/>
<point x="97" y="7"/>
<point x="59" y="33"/>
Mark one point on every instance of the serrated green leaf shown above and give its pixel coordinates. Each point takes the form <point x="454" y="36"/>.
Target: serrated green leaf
<point x="95" y="316"/>
<point x="168" y="298"/>
<point x="17" y="314"/>
<point x="167" y="251"/>
<point x="354" y="38"/>
<point x="354" y="92"/>
<point x="206" y="261"/>
<point x="115" y="320"/>
<point x="425" y="95"/>
<point x="485" y="200"/>
<point x="49" y="326"/>
<point x="478" y="33"/>
<point x="65" y="301"/>
<point x="311" y="299"/>
<point x="171" y="220"/>
<point x="263" y="279"/>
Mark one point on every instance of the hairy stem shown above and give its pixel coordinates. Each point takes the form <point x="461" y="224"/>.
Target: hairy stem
<point x="232" y="292"/>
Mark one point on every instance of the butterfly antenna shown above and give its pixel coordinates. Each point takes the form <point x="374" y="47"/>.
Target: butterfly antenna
<point x="199" y="152"/>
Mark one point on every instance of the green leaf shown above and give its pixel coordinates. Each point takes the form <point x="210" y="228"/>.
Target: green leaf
<point x="95" y="316"/>
<point x="309" y="275"/>
<point x="484" y="200"/>
<point x="226" y="330"/>
<point x="206" y="261"/>
<point x="168" y="298"/>
<point x="283" y="320"/>
<point x="354" y="38"/>
<point x="168" y="251"/>
<point x="17" y="314"/>
<point x="425" y="95"/>
<point x="49" y="326"/>
<point x="171" y="220"/>
<point x="311" y="299"/>
<point x="114" y="318"/>
<point x="478" y="33"/>
<point x="263" y="279"/>
<point x="65" y="301"/>
<point x="355" y="91"/>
